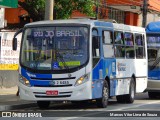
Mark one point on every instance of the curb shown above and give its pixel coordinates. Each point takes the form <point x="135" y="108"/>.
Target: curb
<point x="19" y="106"/>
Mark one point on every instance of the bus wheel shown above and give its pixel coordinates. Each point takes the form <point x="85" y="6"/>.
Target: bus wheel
<point x="43" y="104"/>
<point x="130" y="97"/>
<point x="103" y="102"/>
<point x="152" y="95"/>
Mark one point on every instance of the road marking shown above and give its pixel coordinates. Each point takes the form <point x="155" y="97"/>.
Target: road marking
<point x="106" y="110"/>
<point x="134" y="106"/>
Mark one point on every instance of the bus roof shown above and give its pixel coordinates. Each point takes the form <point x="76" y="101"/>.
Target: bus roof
<point x="94" y="23"/>
<point x="123" y="27"/>
<point x="153" y="27"/>
<point x="72" y="21"/>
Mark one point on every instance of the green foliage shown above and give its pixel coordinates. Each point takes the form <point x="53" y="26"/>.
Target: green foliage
<point x="63" y="8"/>
<point x="35" y="8"/>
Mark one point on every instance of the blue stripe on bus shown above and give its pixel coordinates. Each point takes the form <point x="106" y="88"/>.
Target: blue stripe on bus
<point x="154" y="74"/>
<point x="108" y="67"/>
<point x="29" y="75"/>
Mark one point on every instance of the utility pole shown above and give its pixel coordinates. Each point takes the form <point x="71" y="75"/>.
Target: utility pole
<point x="144" y="12"/>
<point x="49" y="7"/>
<point x="97" y="9"/>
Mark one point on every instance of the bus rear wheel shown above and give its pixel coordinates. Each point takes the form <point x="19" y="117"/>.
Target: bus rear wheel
<point x="103" y="102"/>
<point x="43" y="104"/>
<point x="129" y="98"/>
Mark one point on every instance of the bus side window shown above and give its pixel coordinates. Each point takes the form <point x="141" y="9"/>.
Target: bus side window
<point x="95" y="46"/>
<point x="129" y="43"/>
<point x="139" y="46"/>
<point x="107" y="37"/>
<point x="119" y="44"/>
<point x="95" y="43"/>
<point x="144" y="50"/>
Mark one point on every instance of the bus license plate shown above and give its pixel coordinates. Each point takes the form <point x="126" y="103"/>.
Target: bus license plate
<point x="52" y="92"/>
<point x="60" y="82"/>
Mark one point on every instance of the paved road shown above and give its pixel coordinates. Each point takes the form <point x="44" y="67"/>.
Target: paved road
<point x="143" y="106"/>
<point x="142" y="102"/>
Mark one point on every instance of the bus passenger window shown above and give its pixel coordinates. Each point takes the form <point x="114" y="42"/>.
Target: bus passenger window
<point x="139" y="46"/>
<point x="107" y="37"/>
<point x="108" y="48"/>
<point x="119" y="44"/>
<point x="129" y="43"/>
<point x="95" y="46"/>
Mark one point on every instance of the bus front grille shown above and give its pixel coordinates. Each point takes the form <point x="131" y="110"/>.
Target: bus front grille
<point x="59" y="96"/>
<point x="53" y="85"/>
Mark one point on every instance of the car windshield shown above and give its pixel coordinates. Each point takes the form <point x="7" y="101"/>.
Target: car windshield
<point x="153" y="42"/>
<point x="54" y="48"/>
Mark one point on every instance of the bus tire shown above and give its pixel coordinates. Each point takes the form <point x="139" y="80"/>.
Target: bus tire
<point x="152" y="95"/>
<point x="103" y="102"/>
<point x="130" y="97"/>
<point x="43" y="104"/>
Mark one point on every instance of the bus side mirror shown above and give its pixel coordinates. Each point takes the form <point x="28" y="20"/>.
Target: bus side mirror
<point x="14" y="44"/>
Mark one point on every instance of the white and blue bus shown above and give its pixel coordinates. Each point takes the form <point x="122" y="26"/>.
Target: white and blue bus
<point x="80" y="60"/>
<point x="153" y="40"/>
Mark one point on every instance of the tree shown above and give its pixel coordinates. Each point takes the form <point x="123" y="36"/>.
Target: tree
<point x="63" y="8"/>
<point x="35" y="8"/>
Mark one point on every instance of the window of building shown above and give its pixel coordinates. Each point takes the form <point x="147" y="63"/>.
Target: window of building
<point x="116" y="15"/>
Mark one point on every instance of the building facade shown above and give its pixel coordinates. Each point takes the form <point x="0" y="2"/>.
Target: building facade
<point x="127" y="11"/>
<point x="122" y="11"/>
<point x="6" y="4"/>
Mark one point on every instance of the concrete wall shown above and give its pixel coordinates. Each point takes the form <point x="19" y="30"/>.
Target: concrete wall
<point x="151" y="17"/>
<point x="8" y="60"/>
<point x="8" y="78"/>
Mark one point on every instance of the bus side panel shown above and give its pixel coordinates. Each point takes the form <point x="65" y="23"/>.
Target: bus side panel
<point x="153" y="80"/>
<point x="108" y="68"/>
<point x="141" y="75"/>
<point x="97" y="83"/>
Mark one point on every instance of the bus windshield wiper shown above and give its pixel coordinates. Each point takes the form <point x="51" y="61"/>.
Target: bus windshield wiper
<point x="38" y="58"/>
<point x="62" y="60"/>
<point x="155" y="63"/>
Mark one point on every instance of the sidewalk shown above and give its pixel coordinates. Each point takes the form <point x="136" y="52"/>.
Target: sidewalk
<point x="9" y="100"/>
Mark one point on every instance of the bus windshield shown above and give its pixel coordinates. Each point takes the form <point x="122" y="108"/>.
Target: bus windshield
<point x="153" y="41"/>
<point x="54" y="48"/>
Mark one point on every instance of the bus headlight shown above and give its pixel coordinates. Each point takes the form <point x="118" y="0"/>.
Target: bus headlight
<point x="24" y="81"/>
<point x="82" y="79"/>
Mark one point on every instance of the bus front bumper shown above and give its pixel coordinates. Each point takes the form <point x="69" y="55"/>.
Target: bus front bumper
<point x="153" y="85"/>
<point x="81" y="92"/>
